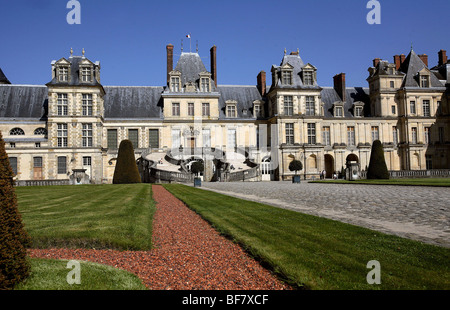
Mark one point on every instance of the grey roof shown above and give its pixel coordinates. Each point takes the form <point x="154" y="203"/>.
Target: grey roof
<point x="244" y="95"/>
<point x="23" y="101"/>
<point x="75" y="74"/>
<point x="353" y="94"/>
<point x="411" y="66"/>
<point x="133" y="102"/>
<point x="190" y="65"/>
<point x="3" y="79"/>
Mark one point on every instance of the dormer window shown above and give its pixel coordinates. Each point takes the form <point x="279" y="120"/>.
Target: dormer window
<point x="358" y="109"/>
<point x="424" y="81"/>
<point x="286" y="77"/>
<point x="308" y="78"/>
<point x="63" y="74"/>
<point x="175" y="84"/>
<point x="205" y="84"/>
<point x="258" y="109"/>
<point x="231" y="108"/>
<point x="339" y="109"/>
<point x="86" y="75"/>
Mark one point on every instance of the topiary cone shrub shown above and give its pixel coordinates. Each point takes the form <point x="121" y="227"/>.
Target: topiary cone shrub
<point x="377" y="164"/>
<point x="126" y="171"/>
<point x="14" y="266"/>
<point x="197" y="167"/>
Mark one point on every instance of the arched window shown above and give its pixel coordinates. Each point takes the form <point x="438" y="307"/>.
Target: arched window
<point x="17" y="132"/>
<point x="40" y="131"/>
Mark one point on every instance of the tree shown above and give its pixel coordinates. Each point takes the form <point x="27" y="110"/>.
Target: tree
<point x="14" y="266"/>
<point x="295" y="165"/>
<point x="197" y="167"/>
<point x="377" y="164"/>
<point x="126" y="170"/>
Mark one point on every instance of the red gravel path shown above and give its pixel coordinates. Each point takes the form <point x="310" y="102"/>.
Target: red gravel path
<point x="189" y="254"/>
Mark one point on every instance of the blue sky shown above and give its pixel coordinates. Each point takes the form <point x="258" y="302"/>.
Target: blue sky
<point x="129" y="38"/>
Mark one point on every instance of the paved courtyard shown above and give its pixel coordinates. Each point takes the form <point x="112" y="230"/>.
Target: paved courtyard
<point x="415" y="212"/>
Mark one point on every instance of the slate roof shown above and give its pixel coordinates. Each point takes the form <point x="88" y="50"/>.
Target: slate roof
<point x="133" y="102"/>
<point x="190" y="65"/>
<point x="23" y="101"/>
<point x="244" y="95"/>
<point x="411" y="66"/>
<point x="75" y="74"/>
<point x="353" y="94"/>
<point x="3" y="79"/>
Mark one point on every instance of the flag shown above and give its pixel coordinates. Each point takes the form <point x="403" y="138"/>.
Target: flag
<point x="188" y="36"/>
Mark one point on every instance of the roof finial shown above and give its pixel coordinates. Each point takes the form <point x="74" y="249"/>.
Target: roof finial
<point x="83" y="52"/>
<point x="182" y="45"/>
<point x="197" y="46"/>
<point x="71" y="52"/>
<point x="411" y="46"/>
<point x="285" y="51"/>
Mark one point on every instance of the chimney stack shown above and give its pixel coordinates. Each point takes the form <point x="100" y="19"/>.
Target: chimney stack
<point x="424" y="58"/>
<point x="339" y="85"/>
<point x="376" y="61"/>
<point x="442" y="57"/>
<point x="169" y="49"/>
<point x="397" y="62"/>
<point x="213" y="58"/>
<point x="402" y="58"/>
<point x="261" y="82"/>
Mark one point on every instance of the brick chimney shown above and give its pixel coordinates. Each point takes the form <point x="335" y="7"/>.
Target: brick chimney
<point x="261" y="82"/>
<point x="339" y="85"/>
<point x="397" y="62"/>
<point x="442" y="57"/>
<point x="213" y="58"/>
<point x="169" y="49"/>
<point x="376" y="61"/>
<point x="424" y="58"/>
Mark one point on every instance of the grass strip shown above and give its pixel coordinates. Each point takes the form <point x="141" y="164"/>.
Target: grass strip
<point x="438" y="182"/>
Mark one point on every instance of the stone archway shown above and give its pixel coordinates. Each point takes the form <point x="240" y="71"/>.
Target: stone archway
<point x="329" y="165"/>
<point x="352" y="157"/>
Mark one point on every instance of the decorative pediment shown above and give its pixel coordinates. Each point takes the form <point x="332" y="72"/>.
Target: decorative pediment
<point x="86" y="62"/>
<point x="287" y="66"/>
<point x="62" y="62"/>
<point x="309" y="66"/>
<point x="174" y="72"/>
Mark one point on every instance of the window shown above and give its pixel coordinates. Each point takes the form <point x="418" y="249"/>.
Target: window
<point x="133" y="137"/>
<point x="112" y="138"/>
<point x="175" y="109"/>
<point x="87" y="105"/>
<point x="424" y="81"/>
<point x="338" y="112"/>
<point x="87" y="135"/>
<point x="351" y="135"/>
<point x="87" y="161"/>
<point x="62" y="164"/>
<point x="16" y="132"/>
<point x="63" y="74"/>
<point x="289" y="133"/>
<point x="427" y="135"/>
<point x="412" y="107"/>
<point x="308" y="78"/>
<point x="37" y="162"/>
<point x="62" y="135"/>
<point x="375" y="133"/>
<point x="441" y="135"/>
<point x="37" y="144"/>
<point x="395" y="135"/>
<point x="311" y="133"/>
<point x="175" y="84"/>
<point x="62" y="105"/>
<point x="257" y="112"/>
<point x="40" y="131"/>
<point x="326" y="135"/>
<point x="310" y="105"/>
<point x="205" y="109"/>
<point x="204" y="85"/>
<point x="429" y="162"/>
<point x="153" y="138"/>
<point x="288" y="106"/>
<point x="86" y="74"/>
<point x="231" y="138"/>
<point x="426" y="108"/>
<point x="391" y="84"/>
<point x="231" y="110"/>
<point x="13" y="164"/>
<point x="190" y="108"/>
<point x="439" y="108"/>
<point x="206" y="136"/>
<point x="358" y="111"/>
<point x="12" y="145"/>
<point x="286" y="77"/>
<point x="393" y="109"/>
<point x="414" y="135"/>
<point x="176" y="140"/>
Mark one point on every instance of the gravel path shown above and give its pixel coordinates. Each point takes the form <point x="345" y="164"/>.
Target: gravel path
<point x="189" y="254"/>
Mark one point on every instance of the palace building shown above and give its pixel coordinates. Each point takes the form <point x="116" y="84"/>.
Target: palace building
<point x="69" y="130"/>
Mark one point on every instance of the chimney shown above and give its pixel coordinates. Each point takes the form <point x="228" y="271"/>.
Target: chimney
<point x="424" y="58"/>
<point x="169" y="49"/>
<point x="261" y="80"/>
<point x="402" y="58"/>
<point x="397" y="62"/>
<point x="442" y="57"/>
<point x="213" y="58"/>
<point x="376" y="61"/>
<point x="339" y="85"/>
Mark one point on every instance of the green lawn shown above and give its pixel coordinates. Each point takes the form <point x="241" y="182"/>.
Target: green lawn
<point x="443" y="182"/>
<point x="49" y="274"/>
<point x="318" y="253"/>
<point x="88" y="216"/>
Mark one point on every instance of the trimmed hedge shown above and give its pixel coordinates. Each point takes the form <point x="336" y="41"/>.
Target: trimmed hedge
<point x="14" y="266"/>
<point x="126" y="171"/>
<point x="295" y="165"/>
<point x="377" y="165"/>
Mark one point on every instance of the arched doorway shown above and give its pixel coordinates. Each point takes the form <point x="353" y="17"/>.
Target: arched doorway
<point x="266" y="169"/>
<point x="352" y="157"/>
<point x="329" y="165"/>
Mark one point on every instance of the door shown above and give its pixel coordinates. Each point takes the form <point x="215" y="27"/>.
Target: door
<point x="37" y="168"/>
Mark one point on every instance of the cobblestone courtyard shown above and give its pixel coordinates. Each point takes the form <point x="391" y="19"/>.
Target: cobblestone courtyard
<point x="415" y="212"/>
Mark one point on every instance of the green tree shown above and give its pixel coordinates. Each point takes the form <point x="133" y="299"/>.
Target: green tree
<point x="295" y="165"/>
<point x="377" y="164"/>
<point x="197" y="167"/>
<point x="14" y="265"/>
<point x="126" y="170"/>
